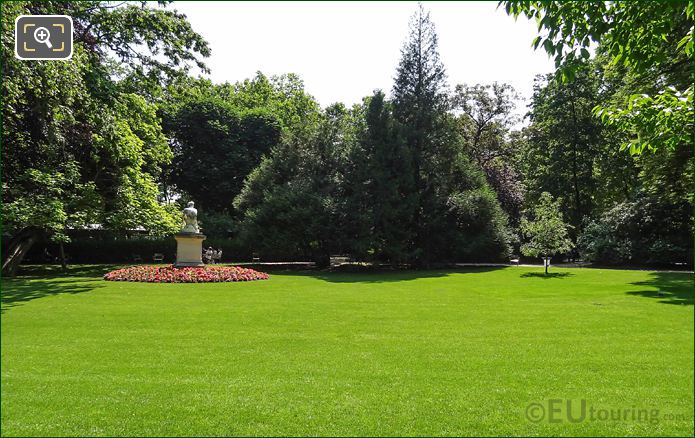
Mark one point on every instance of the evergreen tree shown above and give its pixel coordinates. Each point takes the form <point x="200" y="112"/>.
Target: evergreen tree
<point x="380" y="189"/>
<point x="392" y="191"/>
<point x="292" y="202"/>
<point x="419" y="103"/>
<point x="455" y="214"/>
<point x="418" y="91"/>
<point x="386" y="181"/>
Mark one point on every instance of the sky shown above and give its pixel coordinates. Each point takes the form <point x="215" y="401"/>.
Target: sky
<point x="343" y="51"/>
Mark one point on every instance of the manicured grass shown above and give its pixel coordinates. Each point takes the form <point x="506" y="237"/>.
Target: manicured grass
<point x="405" y="353"/>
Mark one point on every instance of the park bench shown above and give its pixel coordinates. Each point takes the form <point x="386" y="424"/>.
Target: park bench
<point x="337" y="260"/>
<point x="158" y="257"/>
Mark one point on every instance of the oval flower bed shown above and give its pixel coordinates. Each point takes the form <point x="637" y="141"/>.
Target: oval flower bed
<point x="170" y="274"/>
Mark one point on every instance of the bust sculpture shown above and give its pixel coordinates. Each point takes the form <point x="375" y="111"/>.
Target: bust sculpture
<point x="190" y="218"/>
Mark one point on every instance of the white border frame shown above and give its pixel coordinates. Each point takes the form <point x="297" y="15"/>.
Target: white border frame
<point x="72" y="39"/>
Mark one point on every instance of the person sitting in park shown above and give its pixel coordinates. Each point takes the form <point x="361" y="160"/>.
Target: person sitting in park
<point x="211" y="255"/>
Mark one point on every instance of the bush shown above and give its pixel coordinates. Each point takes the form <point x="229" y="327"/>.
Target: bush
<point x="645" y="231"/>
<point x="479" y="231"/>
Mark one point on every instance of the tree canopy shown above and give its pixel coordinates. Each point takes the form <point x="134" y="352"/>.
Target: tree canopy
<point x="652" y="41"/>
<point x="215" y="146"/>
<point x="79" y="147"/>
<point x="123" y="134"/>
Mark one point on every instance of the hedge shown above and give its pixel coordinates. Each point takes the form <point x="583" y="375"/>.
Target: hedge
<point x="125" y="250"/>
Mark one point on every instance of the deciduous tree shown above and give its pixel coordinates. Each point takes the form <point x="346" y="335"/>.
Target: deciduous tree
<point x="216" y="146"/>
<point x="545" y="231"/>
<point x="486" y="117"/>
<point x="78" y="146"/>
<point x="653" y="40"/>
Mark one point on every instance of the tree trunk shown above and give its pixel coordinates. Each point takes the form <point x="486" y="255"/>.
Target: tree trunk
<point x="63" y="261"/>
<point x="575" y="168"/>
<point x="322" y="260"/>
<point x="19" y="246"/>
<point x="545" y="262"/>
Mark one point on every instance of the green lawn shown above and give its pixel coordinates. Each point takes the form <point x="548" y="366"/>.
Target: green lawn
<point x="406" y="353"/>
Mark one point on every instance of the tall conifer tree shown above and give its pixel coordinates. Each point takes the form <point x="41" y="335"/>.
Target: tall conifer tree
<point x="455" y="213"/>
<point x="381" y="194"/>
<point x="419" y="104"/>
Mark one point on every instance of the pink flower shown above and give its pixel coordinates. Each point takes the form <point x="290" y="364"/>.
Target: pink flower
<point x="170" y="274"/>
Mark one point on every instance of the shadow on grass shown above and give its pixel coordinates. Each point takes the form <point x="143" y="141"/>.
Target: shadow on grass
<point x="38" y="281"/>
<point x="669" y="288"/>
<point x="381" y="275"/>
<point x="43" y="271"/>
<point x="546" y="276"/>
<point x="17" y="291"/>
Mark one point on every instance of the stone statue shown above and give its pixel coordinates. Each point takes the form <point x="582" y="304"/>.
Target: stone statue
<point x="189" y="241"/>
<point x="190" y="218"/>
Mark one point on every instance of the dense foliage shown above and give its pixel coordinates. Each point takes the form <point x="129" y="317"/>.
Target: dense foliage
<point x="290" y="200"/>
<point x="385" y="181"/>
<point x="647" y="230"/>
<point x="79" y="146"/>
<point x="485" y="123"/>
<point x="634" y="94"/>
<point x="122" y="135"/>
<point x="215" y="146"/>
<point x="652" y="41"/>
<point x="219" y="132"/>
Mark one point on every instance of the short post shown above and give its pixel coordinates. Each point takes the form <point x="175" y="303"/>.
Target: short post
<point x="546" y="263"/>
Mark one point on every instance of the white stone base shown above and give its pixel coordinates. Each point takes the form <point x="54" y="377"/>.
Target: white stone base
<point x="189" y="249"/>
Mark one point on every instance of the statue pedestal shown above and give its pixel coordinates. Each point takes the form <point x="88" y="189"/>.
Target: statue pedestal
<point x="189" y="249"/>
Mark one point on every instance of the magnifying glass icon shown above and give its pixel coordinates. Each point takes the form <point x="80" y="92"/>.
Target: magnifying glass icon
<point x="42" y="36"/>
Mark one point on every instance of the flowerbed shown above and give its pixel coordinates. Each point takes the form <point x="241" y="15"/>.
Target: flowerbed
<point x="170" y="274"/>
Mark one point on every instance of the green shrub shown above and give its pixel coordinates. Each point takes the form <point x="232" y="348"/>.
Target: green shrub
<point x="645" y="231"/>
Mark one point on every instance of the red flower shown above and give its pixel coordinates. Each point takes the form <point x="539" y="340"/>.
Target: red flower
<point x="170" y="274"/>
